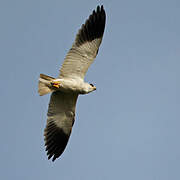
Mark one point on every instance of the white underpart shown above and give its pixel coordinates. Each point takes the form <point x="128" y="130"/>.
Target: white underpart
<point x="79" y="59"/>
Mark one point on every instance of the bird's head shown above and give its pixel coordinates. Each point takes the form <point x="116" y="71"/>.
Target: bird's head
<point x="92" y="87"/>
<point x="88" y="88"/>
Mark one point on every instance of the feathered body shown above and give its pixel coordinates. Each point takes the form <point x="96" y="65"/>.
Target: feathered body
<point x="77" y="86"/>
<point x="70" y="83"/>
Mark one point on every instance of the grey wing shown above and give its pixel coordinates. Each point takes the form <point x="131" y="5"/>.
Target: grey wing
<point x="85" y="47"/>
<point x="61" y="114"/>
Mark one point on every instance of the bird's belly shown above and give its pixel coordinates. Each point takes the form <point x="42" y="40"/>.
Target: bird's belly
<point x="70" y="86"/>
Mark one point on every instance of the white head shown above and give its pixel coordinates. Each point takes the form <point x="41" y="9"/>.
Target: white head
<point x="88" y="88"/>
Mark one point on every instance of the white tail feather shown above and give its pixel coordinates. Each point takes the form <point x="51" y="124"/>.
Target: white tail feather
<point x="44" y="84"/>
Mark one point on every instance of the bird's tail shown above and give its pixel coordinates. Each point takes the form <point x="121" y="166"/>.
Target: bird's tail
<point x="44" y="84"/>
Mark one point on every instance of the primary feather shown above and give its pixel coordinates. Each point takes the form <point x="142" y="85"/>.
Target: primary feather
<point x="85" y="47"/>
<point x="61" y="114"/>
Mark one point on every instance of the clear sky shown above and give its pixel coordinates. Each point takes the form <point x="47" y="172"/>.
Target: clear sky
<point x="129" y="128"/>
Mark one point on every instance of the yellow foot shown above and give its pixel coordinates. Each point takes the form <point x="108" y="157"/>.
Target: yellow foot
<point x="55" y="84"/>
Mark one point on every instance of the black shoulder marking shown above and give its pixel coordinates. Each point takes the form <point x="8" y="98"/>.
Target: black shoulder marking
<point x="93" y="27"/>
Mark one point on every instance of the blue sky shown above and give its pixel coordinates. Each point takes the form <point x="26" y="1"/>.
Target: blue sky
<point x="128" y="128"/>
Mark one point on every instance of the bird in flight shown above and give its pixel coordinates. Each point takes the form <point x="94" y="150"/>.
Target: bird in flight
<point x="70" y="84"/>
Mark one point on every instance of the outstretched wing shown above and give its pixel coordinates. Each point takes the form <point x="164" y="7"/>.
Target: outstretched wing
<point x="61" y="114"/>
<point x="85" y="47"/>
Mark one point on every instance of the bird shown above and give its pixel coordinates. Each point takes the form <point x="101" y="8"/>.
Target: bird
<point x="70" y="83"/>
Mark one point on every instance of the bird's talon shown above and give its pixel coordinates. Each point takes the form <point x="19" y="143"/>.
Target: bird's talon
<point x="55" y="84"/>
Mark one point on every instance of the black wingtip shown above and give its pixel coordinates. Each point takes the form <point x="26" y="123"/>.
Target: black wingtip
<point x="93" y="27"/>
<point x="55" y="141"/>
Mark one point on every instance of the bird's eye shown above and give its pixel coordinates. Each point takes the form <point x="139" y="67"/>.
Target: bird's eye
<point x="92" y="85"/>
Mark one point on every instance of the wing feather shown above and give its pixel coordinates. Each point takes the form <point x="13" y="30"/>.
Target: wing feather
<point x="85" y="47"/>
<point x="61" y="114"/>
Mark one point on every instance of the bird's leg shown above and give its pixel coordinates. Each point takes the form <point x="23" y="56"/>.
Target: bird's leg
<point x="55" y="84"/>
